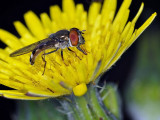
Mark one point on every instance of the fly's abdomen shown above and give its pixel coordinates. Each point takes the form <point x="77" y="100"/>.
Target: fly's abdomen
<point x="52" y="44"/>
<point x="33" y="56"/>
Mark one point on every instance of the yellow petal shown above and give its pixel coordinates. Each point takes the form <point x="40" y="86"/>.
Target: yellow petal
<point x="145" y="25"/>
<point x="34" y="25"/>
<point x="15" y="94"/>
<point x="93" y="12"/>
<point x="68" y="7"/>
<point x="21" y="29"/>
<point x="119" y="17"/>
<point x="108" y="10"/>
<point x="46" y="23"/>
<point x="55" y="13"/>
<point x="9" y="39"/>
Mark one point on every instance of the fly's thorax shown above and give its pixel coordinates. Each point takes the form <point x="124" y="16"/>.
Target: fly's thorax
<point x="61" y="35"/>
<point x="63" y="44"/>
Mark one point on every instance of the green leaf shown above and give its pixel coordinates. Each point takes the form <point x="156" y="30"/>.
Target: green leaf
<point x="111" y="99"/>
<point x="39" y="110"/>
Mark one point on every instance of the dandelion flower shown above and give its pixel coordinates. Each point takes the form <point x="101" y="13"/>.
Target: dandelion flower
<point x="107" y="37"/>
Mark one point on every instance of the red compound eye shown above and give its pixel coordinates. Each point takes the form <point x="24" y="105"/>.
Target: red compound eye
<point x="73" y="35"/>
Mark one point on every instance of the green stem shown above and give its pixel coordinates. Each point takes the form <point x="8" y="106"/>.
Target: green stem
<point x="98" y="110"/>
<point x="76" y="113"/>
<point x="69" y="109"/>
<point x="82" y="107"/>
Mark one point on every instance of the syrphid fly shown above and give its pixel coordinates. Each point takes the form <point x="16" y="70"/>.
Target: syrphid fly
<point x="59" y="40"/>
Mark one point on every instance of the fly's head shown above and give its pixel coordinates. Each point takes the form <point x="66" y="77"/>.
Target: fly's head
<point x="75" y="37"/>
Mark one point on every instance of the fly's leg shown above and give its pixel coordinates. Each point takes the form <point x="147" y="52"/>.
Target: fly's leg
<point x="45" y="62"/>
<point x="81" y="50"/>
<point x="62" y="54"/>
<point x="62" y="57"/>
<point x="51" y="52"/>
<point x="74" y="53"/>
<point x="43" y="58"/>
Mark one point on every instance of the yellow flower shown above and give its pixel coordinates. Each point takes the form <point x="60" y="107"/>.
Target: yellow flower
<point x="107" y="37"/>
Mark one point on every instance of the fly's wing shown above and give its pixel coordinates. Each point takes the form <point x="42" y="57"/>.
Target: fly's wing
<point x="28" y="48"/>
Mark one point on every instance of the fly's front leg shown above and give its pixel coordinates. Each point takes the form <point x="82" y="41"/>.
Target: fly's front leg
<point x="74" y="53"/>
<point x="81" y="50"/>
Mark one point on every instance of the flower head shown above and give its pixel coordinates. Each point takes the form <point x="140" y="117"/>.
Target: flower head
<point x="107" y="37"/>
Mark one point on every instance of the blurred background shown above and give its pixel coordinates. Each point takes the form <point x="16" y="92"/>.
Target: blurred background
<point x="136" y="74"/>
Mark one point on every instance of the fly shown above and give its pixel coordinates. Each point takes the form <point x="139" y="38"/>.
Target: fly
<point x="60" y="40"/>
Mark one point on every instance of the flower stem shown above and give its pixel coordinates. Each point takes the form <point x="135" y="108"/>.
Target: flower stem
<point x="87" y="107"/>
<point x="97" y="108"/>
<point x="82" y="107"/>
<point x="75" y="113"/>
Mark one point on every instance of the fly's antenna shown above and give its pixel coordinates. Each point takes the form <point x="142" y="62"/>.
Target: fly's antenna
<point x="82" y="32"/>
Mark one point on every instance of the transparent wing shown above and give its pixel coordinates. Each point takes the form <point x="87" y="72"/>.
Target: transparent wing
<point x="28" y="48"/>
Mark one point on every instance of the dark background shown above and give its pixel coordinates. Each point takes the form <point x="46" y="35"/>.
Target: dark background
<point x="12" y="10"/>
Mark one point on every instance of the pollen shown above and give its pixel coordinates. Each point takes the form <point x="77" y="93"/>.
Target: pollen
<point x="80" y="89"/>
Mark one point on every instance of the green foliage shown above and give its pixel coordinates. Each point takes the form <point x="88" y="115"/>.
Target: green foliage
<point x="111" y="99"/>
<point x="38" y="110"/>
<point x="143" y="93"/>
